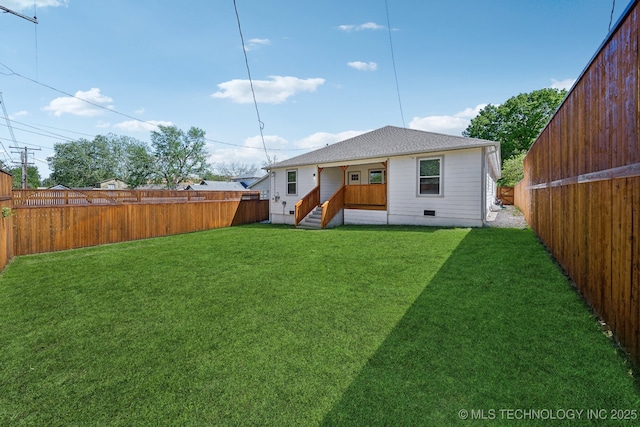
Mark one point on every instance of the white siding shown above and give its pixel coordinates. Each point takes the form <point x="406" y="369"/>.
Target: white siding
<point x="362" y="216"/>
<point x="330" y="182"/>
<point x="281" y="214"/>
<point x="462" y="191"/>
<point x="363" y="169"/>
<point x="264" y="187"/>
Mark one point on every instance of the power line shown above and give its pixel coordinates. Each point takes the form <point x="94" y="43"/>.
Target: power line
<point x="13" y="12"/>
<point x="393" y="61"/>
<point x="253" y="92"/>
<point x="611" y="17"/>
<point x="13" y="73"/>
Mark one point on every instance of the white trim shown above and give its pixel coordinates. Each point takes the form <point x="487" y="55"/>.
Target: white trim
<point x="440" y="177"/>
<point x="286" y="177"/>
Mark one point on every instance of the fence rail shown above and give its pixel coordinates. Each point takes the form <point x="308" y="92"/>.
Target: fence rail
<point x="581" y="191"/>
<point x="111" y="197"/>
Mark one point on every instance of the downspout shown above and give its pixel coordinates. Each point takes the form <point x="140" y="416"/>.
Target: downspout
<point x="386" y="182"/>
<point x="485" y="161"/>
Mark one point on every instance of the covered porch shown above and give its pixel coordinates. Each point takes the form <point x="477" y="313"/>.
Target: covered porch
<point x="343" y="187"/>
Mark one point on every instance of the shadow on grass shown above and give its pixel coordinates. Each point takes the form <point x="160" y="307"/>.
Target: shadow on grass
<point x="498" y="328"/>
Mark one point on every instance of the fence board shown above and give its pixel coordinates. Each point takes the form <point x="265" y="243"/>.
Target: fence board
<point x="506" y="194"/>
<point x="48" y="228"/>
<point x="6" y="223"/>
<point x="587" y="213"/>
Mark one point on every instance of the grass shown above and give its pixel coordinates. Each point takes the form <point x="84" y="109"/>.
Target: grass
<point x="267" y="325"/>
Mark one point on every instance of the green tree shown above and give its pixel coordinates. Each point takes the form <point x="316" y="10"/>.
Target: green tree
<point x="33" y="177"/>
<point x="178" y="155"/>
<point x="234" y="169"/>
<point x="518" y="122"/>
<point x="513" y="170"/>
<point x="86" y="163"/>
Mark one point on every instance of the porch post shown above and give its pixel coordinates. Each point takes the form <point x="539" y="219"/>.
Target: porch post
<point x="344" y="169"/>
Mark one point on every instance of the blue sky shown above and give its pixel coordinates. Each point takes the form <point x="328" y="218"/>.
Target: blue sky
<point x="322" y="71"/>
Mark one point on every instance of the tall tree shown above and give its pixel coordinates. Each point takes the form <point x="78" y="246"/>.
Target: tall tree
<point x="33" y="177"/>
<point x="85" y="163"/>
<point x="516" y="123"/>
<point x="234" y="169"/>
<point x="139" y="165"/>
<point x="178" y="155"/>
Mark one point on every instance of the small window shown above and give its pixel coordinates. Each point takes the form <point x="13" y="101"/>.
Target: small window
<point x="355" y="177"/>
<point x="292" y="182"/>
<point x="376" y="176"/>
<point x="430" y="174"/>
<point x="112" y="186"/>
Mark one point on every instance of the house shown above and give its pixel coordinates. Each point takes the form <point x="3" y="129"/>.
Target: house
<point x="217" y="186"/>
<point x="113" y="184"/>
<point x="263" y="185"/>
<point x="246" y="179"/>
<point x="388" y="176"/>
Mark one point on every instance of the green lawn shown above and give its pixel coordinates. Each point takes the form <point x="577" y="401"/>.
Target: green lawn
<point x="268" y="325"/>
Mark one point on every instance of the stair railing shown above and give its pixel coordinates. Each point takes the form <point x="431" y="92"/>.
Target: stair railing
<point x="306" y="205"/>
<point x="331" y="207"/>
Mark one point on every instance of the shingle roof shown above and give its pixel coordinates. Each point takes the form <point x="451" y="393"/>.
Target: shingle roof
<point x="217" y="186"/>
<point x="388" y="141"/>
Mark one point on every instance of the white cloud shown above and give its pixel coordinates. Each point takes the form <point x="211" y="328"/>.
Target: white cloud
<point x="363" y="66"/>
<point x="137" y="126"/>
<point x="320" y="139"/>
<point x="140" y="111"/>
<point x="77" y="106"/>
<point x="452" y="125"/>
<point x="255" y="43"/>
<point x="562" y="84"/>
<point x="251" y="151"/>
<point x="361" y="27"/>
<point x="273" y="91"/>
<point x="19" y="114"/>
<point x="103" y="125"/>
<point x="28" y="4"/>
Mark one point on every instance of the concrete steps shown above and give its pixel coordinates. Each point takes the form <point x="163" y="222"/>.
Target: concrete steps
<point x="313" y="220"/>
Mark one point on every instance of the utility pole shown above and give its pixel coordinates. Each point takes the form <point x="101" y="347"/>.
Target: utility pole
<point x="24" y="160"/>
<point x="13" y="12"/>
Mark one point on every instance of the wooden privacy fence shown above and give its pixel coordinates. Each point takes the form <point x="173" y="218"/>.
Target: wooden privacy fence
<point x="506" y="195"/>
<point x="6" y="219"/>
<point x="43" y="224"/>
<point x="581" y="191"/>
<point x="110" y="197"/>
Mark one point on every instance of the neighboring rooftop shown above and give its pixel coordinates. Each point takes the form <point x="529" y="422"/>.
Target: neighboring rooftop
<point x="217" y="186"/>
<point x="384" y="142"/>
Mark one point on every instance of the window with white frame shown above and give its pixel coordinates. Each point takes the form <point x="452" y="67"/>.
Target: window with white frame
<point x="430" y="176"/>
<point x="376" y="176"/>
<point x="292" y="182"/>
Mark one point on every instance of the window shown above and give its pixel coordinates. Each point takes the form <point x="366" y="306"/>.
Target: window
<point x="354" y="177"/>
<point x="376" y="176"/>
<point x="292" y="182"/>
<point x="112" y="186"/>
<point x="430" y="174"/>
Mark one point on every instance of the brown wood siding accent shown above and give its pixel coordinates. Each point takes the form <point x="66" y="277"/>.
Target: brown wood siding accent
<point x="581" y="190"/>
<point x="361" y="195"/>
